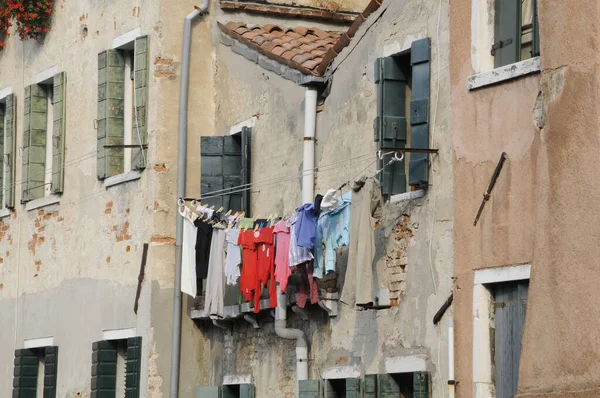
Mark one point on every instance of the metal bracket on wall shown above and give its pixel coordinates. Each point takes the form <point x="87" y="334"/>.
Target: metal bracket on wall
<point x="251" y="319"/>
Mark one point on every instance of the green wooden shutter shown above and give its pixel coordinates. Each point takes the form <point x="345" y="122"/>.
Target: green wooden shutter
<point x="110" y="123"/>
<point x="10" y="147"/>
<point x="388" y="386"/>
<point x="34" y="143"/>
<point x="50" y="371"/>
<point x="507" y="32"/>
<point x="536" y="30"/>
<point x="140" y="121"/>
<point x="25" y="374"/>
<point x="104" y="370"/>
<point x="247" y="391"/>
<point x="420" y="60"/>
<point x="133" y="367"/>
<point x="370" y="386"/>
<point x="420" y="385"/>
<point x="246" y="169"/>
<point x="208" y="392"/>
<point x="310" y="389"/>
<point x="58" y="132"/>
<point x="390" y="124"/>
<point x="353" y="388"/>
<point x="2" y="119"/>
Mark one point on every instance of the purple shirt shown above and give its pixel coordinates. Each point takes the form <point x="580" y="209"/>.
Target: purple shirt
<point x="306" y="226"/>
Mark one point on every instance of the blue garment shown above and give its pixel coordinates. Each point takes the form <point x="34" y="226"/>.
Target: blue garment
<point x="298" y="254"/>
<point x="306" y="226"/>
<point x="333" y="232"/>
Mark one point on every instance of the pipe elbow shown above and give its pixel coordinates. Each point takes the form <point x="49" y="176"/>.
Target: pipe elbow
<point x="203" y="8"/>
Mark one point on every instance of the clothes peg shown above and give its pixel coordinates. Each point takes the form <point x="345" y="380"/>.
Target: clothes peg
<point x="242" y="215"/>
<point x="256" y="227"/>
<point x="228" y="213"/>
<point x="257" y="217"/>
<point x="212" y="207"/>
<point x="220" y="209"/>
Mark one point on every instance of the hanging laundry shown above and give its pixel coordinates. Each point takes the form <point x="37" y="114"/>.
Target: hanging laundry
<point x="246" y="223"/>
<point x="307" y="285"/>
<point x="188" y="255"/>
<point x="366" y="209"/>
<point x="203" y="240"/>
<point x="249" y="279"/>
<point x="306" y="226"/>
<point x="261" y="223"/>
<point x="213" y="301"/>
<point x="234" y="257"/>
<point x="282" y="255"/>
<point x="333" y="232"/>
<point x="298" y="254"/>
<point x="330" y="200"/>
<point x="266" y="263"/>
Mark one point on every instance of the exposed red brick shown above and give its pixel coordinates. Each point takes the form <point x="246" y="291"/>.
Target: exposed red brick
<point x="128" y="249"/>
<point x="1" y="286"/>
<point x="161" y="239"/>
<point x="160" y="168"/>
<point x="107" y="211"/>
<point x="38" y="265"/>
<point x="108" y="259"/>
<point x="60" y="219"/>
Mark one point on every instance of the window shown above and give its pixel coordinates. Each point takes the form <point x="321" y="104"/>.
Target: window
<point x="35" y="372"/>
<point x="403" y="82"/>
<point x="229" y="391"/>
<point x="400" y="385"/>
<point x="116" y="366"/>
<point x="7" y="151"/>
<point x="516" y="33"/>
<point x="43" y="139"/>
<point x="122" y="98"/>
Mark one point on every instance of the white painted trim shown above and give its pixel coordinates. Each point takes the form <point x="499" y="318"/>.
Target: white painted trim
<point x="406" y="364"/>
<point x="341" y="372"/>
<point x="118" y="334"/>
<point x="407" y="196"/>
<point x="5" y="212"/>
<point x="46" y="75"/>
<point x="502" y="274"/>
<point x="234" y="380"/>
<point x="5" y="92"/>
<point x="126" y="38"/>
<point x="237" y="128"/>
<point x="42" y="202"/>
<point x="397" y="48"/>
<point x="38" y="343"/>
<point x="504" y="73"/>
<point x="122" y="178"/>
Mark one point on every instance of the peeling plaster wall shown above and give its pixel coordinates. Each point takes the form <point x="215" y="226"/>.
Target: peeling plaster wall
<point x="414" y="241"/>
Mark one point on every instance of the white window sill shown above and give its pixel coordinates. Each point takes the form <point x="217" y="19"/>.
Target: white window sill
<point x="504" y="73"/>
<point x="42" y="202"/>
<point x="5" y="213"/>
<point x="122" y="178"/>
<point x="407" y="196"/>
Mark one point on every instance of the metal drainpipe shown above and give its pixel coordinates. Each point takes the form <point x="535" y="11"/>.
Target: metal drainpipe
<point x="181" y="177"/>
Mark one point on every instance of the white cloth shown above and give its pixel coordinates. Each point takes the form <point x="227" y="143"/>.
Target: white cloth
<point x="188" y="258"/>
<point x="234" y="257"/>
<point x="330" y="200"/>
<point x="213" y="300"/>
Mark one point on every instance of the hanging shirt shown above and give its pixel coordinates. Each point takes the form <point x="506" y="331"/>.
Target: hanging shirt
<point x="333" y="232"/>
<point x="203" y="239"/>
<point x="306" y="226"/>
<point x="234" y="257"/>
<point x="298" y="254"/>
<point x="213" y="301"/>
<point x="266" y="264"/>
<point x="246" y="223"/>
<point x="188" y="258"/>
<point x="249" y="276"/>
<point x="282" y="255"/>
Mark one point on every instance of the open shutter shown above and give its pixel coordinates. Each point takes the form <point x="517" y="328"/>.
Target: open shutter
<point x="390" y="124"/>
<point x="58" y="132"/>
<point x="133" y="367"/>
<point x="221" y="168"/>
<point x="111" y="92"/>
<point x="25" y="374"/>
<point x="353" y="388"/>
<point x="34" y="143"/>
<point x="246" y="169"/>
<point x="2" y="118"/>
<point x="247" y="391"/>
<point x="50" y="371"/>
<point x="104" y="370"/>
<point x="140" y="122"/>
<point x="10" y="148"/>
<point x="420" y="60"/>
<point x="370" y="386"/>
<point x="507" y="32"/>
<point x="208" y="392"/>
<point x="536" y="30"/>
<point x="420" y="385"/>
<point x="388" y="386"/>
<point x="310" y="389"/>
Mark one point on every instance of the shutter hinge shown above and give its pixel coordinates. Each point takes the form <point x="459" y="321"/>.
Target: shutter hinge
<point x="499" y="44"/>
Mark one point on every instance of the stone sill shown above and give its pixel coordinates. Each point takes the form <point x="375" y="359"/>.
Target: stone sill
<point x="504" y="73"/>
<point x="407" y="196"/>
<point x="5" y="213"/>
<point x="42" y="202"/>
<point x="122" y="178"/>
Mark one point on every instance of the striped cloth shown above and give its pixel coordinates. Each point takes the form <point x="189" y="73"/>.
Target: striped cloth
<point x="298" y="254"/>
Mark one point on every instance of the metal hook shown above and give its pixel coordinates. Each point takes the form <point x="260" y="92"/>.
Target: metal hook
<point x="194" y="202"/>
<point x="180" y="202"/>
<point x="379" y="155"/>
<point x="396" y="157"/>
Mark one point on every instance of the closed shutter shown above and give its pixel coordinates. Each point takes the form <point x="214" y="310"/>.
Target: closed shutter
<point x="536" y="30"/>
<point x="10" y="148"/>
<point x="507" y="32"/>
<point x="509" y="320"/>
<point x="133" y="367"/>
<point x="208" y="392"/>
<point x="34" y="143"/>
<point x="222" y="167"/>
<point x="58" y="132"/>
<point x="420" y="60"/>
<point x="310" y="389"/>
<point x="246" y="169"/>
<point x="420" y="385"/>
<point x="247" y="391"/>
<point x="140" y="122"/>
<point x="104" y="370"/>
<point x="390" y="124"/>
<point x="370" y="386"/>
<point x="353" y="388"/>
<point x="50" y="371"/>
<point x="2" y="119"/>
<point x="111" y="80"/>
<point x="25" y="374"/>
<point x="387" y="386"/>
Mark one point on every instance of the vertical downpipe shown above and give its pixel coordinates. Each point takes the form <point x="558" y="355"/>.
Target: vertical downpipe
<point x="451" y="356"/>
<point x="308" y="164"/>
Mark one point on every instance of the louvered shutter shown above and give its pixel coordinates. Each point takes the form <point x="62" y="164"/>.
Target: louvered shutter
<point x="387" y="386"/>
<point x="10" y="148"/>
<point x="133" y="367"/>
<point x="420" y="60"/>
<point x="247" y="391"/>
<point x="370" y="386"/>
<point x="390" y="124"/>
<point x="2" y="119"/>
<point x="208" y="392"/>
<point x="246" y="169"/>
<point x="50" y="371"/>
<point x="507" y="32"/>
<point x="140" y="122"/>
<point x="25" y="374"/>
<point x="536" y="30"/>
<point x="58" y="132"/>
<point x="34" y="143"/>
<point x="111" y="80"/>
<point x="353" y="388"/>
<point x="104" y="370"/>
<point x="420" y="385"/>
<point x="310" y="389"/>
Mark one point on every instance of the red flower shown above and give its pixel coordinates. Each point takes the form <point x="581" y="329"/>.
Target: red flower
<point x="46" y="30"/>
<point x="48" y="10"/>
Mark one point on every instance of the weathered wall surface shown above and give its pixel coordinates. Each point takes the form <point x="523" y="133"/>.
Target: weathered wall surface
<point x="544" y="186"/>
<point x="414" y="241"/>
